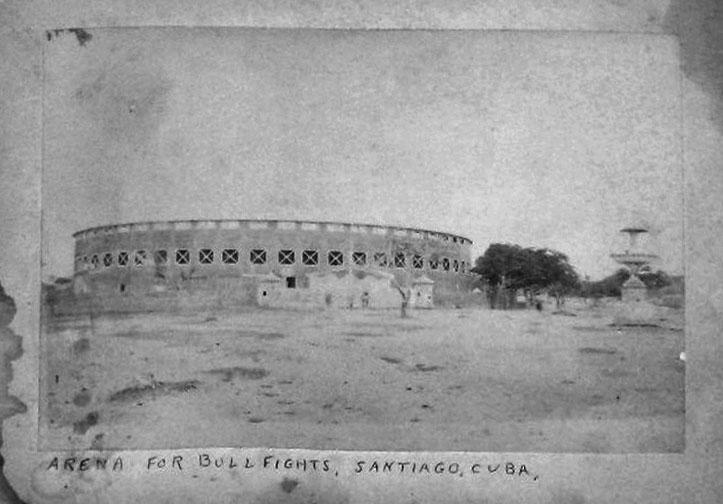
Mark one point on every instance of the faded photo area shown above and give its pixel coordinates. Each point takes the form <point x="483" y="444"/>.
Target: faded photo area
<point x="362" y="240"/>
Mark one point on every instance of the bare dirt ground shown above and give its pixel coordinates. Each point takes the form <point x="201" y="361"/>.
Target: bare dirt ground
<point x="466" y="379"/>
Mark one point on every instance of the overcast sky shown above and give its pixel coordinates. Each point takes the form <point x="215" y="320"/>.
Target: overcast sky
<point x="547" y="140"/>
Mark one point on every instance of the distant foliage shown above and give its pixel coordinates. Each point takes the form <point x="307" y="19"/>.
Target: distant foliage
<point x="676" y="287"/>
<point x="611" y="286"/>
<point x="654" y="279"/>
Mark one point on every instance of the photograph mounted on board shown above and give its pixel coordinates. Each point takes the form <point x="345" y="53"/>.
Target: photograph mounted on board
<point x="362" y="240"/>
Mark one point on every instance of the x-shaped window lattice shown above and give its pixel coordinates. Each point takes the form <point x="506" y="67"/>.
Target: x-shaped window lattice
<point x="205" y="256"/>
<point x="140" y="258"/>
<point x="160" y="257"/>
<point x="122" y="258"/>
<point x="417" y="262"/>
<point x="359" y="258"/>
<point x="229" y="256"/>
<point x="310" y="257"/>
<point x="399" y="260"/>
<point x="455" y="265"/>
<point x="335" y="258"/>
<point x="258" y="256"/>
<point x="107" y="260"/>
<point x="286" y="257"/>
<point x="380" y="258"/>
<point x="445" y="264"/>
<point x="94" y="261"/>
<point x="433" y="264"/>
<point x="183" y="256"/>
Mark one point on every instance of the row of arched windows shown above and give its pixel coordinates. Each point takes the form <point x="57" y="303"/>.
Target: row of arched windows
<point x="260" y="256"/>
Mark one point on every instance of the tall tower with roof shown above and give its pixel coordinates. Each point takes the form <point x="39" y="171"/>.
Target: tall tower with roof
<point x="634" y="258"/>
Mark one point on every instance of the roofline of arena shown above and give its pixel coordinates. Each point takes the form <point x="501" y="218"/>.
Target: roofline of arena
<point x="296" y="221"/>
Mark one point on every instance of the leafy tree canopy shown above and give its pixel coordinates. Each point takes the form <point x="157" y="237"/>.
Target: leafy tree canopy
<point x="511" y="266"/>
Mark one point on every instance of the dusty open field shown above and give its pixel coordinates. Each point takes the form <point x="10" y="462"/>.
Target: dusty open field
<point x="466" y="379"/>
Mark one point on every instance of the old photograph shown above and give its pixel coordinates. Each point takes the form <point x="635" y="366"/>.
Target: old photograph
<point x="362" y="240"/>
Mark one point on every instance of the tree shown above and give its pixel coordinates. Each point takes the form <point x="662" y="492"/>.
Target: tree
<point x="405" y="294"/>
<point x="610" y="286"/>
<point x="408" y="249"/>
<point x="506" y="267"/>
<point x="654" y="279"/>
<point x="557" y="274"/>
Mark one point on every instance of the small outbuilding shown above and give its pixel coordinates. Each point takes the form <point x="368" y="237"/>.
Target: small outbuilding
<point x="422" y="292"/>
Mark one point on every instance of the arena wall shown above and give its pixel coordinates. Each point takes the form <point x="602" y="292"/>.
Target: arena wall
<point x="172" y="264"/>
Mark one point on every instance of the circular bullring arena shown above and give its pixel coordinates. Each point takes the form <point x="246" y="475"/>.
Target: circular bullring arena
<point x="147" y="266"/>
